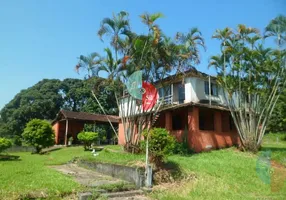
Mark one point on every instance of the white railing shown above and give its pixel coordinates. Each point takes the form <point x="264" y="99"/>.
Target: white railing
<point x="167" y="99"/>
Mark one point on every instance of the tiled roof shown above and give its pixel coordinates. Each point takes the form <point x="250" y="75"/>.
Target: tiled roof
<point x="64" y="114"/>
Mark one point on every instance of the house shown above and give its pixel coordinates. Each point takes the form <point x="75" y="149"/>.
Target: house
<point x="193" y="107"/>
<point x="68" y="124"/>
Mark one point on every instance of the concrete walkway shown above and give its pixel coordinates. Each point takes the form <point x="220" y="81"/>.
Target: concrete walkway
<point x="84" y="176"/>
<point x="91" y="178"/>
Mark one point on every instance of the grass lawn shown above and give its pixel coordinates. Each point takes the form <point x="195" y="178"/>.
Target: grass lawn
<point x="277" y="145"/>
<point x="221" y="174"/>
<point x="30" y="175"/>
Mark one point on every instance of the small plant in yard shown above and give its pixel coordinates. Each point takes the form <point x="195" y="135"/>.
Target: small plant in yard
<point x="70" y="140"/>
<point x="39" y="133"/>
<point x="87" y="138"/>
<point x="161" y="144"/>
<point x="5" y="144"/>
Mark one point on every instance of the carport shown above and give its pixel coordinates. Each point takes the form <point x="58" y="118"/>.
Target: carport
<point x="68" y="124"/>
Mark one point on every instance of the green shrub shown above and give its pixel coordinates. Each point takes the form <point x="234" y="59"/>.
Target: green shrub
<point x="5" y="144"/>
<point x="182" y="148"/>
<point x="87" y="138"/>
<point x="161" y="144"/>
<point x="39" y="133"/>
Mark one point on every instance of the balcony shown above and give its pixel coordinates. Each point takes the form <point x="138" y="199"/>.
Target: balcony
<point x="172" y="94"/>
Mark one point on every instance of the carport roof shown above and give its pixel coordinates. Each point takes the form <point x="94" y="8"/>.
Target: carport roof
<point x="83" y="116"/>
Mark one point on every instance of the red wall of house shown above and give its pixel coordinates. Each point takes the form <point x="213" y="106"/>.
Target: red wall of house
<point x="199" y="140"/>
<point x="56" y="130"/>
<point x="74" y="127"/>
<point x="121" y="137"/>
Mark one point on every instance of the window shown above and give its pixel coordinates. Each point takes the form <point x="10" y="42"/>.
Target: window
<point x="181" y="88"/>
<point x="177" y="122"/>
<point x="227" y="122"/>
<point x="214" y="88"/>
<point x="231" y="123"/>
<point x="206" y="119"/>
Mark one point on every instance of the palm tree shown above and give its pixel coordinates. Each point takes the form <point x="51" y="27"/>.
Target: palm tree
<point x="109" y="65"/>
<point x="188" y="47"/>
<point x="277" y="28"/>
<point x="90" y="63"/>
<point x="224" y="35"/>
<point x="115" y="27"/>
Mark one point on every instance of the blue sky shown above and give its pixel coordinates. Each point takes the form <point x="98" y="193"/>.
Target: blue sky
<point x="42" y="39"/>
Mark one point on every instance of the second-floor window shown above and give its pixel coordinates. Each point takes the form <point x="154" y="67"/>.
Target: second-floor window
<point x="214" y="89"/>
<point x="165" y="91"/>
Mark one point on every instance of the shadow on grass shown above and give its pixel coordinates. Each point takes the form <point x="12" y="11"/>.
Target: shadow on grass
<point x="47" y="151"/>
<point x="9" y="158"/>
<point x="273" y="149"/>
<point x="174" y="169"/>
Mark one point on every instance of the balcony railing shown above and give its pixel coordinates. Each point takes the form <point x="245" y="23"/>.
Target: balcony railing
<point x="167" y="99"/>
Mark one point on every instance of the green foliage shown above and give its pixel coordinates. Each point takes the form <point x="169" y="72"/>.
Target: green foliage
<point x="182" y="148"/>
<point x="207" y="174"/>
<point x="39" y="133"/>
<point x="161" y="144"/>
<point x="87" y="138"/>
<point x="32" y="177"/>
<point x="277" y="122"/>
<point x="45" y="99"/>
<point x="41" y="101"/>
<point x="117" y="187"/>
<point x="252" y="76"/>
<point x="5" y="144"/>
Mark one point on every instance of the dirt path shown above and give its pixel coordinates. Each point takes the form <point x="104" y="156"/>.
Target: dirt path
<point x="84" y="176"/>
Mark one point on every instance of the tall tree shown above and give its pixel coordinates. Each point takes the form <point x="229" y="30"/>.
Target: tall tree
<point x="45" y="99"/>
<point x="42" y="101"/>
<point x="152" y="55"/>
<point x="253" y="77"/>
<point x="115" y="27"/>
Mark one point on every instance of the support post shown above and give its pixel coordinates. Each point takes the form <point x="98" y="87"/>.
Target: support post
<point x="172" y="93"/>
<point x="210" y="92"/>
<point x="67" y="129"/>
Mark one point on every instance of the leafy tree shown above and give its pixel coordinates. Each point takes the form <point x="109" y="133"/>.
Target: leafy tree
<point x="153" y="53"/>
<point x="277" y="122"/>
<point x="45" y="99"/>
<point x="3" y="129"/>
<point x="5" y="144"/>
<point x="74" y="94"/>
<point x="115" y="27"/>
<point x="42" y="101"/>
<point x="252" y="77"/>
<point x="87" y="138"/>
<point x="161" y="144"/>
<point x="39" y="133"/>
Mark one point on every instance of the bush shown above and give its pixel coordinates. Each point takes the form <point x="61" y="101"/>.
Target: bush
<point x="182" y="148"/>
<point x="87" y="138"/>
<point x="161" y="144"/>
<point x="39" y="133"/>
<point x="5" y="144"/>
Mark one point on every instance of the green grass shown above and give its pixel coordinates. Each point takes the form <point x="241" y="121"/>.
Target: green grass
<point x="115" y="155"/>
<point x="277" y="145"/>
<point x="221" y="174"/>
<point x="30" y="176"/>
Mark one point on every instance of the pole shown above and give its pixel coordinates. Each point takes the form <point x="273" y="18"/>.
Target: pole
<point x="66" y="135"/>
<point x="210" y="92"/>
<point x="148" y="169"/>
